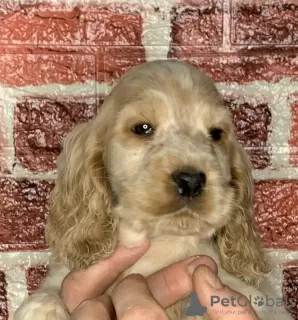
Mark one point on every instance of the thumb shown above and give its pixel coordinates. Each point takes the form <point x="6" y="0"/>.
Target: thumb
<point x="220" y="300"/>
<point x="92" y="282"/>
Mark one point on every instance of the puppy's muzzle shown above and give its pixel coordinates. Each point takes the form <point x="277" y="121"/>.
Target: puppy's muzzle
<point x="189" y="183"/>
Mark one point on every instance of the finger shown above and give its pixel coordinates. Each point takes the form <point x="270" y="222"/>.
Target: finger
<point x="92" y="282"/>
<point x="173" y="282"/>
<point x="207" y="285"/>
<point x="100" y="308"/>
<point x="133" y="300"/>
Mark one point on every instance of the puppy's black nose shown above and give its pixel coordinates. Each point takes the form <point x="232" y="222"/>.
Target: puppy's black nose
<point x="190" y="184"/>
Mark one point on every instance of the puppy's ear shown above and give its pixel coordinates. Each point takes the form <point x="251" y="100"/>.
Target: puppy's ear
<point x="81" y="228"/>
<point x="238" y="241"/>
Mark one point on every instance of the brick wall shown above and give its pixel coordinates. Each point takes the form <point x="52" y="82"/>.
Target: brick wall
<point x="58" y="60"/>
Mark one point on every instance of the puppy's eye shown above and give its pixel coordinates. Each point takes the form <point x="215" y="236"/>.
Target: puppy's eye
<point x="216" y="134"/>
<point x="142" y="129"/>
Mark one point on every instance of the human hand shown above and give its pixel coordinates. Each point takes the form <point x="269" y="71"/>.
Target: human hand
<point x="135" y="297"/>
<point x="82" y="291"/>
<point x="206" y="284"/>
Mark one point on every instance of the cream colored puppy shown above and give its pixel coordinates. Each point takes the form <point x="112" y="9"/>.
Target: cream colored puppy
<point x="160" y="160"/>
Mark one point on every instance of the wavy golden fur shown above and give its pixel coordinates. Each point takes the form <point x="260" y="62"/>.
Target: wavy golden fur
<point x="82" y="228"/>
<point x="115" y="186"/>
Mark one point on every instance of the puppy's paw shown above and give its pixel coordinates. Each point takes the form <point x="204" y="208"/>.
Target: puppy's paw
<point x="43" y="305"/>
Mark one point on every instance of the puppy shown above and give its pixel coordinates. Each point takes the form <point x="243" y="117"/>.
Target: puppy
<point x="160" y="160"/>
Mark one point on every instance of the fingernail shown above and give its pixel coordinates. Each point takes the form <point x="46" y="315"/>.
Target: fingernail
<point x="191" y="266"/>
<point x="209" y="276"/>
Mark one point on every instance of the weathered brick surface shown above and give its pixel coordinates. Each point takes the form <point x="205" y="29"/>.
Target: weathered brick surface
<point x="41" y="24"/>
<point x="200" y="24"/>
<point x="60" y="24"/>
<point x="41" y="125"/>
<point x="276" y="210"/>
<point x="290" y="290"/>
<point x="112" y="28"/>
<point x="117" y="61"/>
<point x="242" y="68"/>
<point x="3" y="297"/>
<point x="23" y="210"/>
<point x="266" y="22"/>
<point x="252" y="123"/>
<point x="34" y="277"/>
<point x="39" y="69"/>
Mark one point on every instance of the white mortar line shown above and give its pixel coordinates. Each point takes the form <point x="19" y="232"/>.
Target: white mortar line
<point x="24" y="258"/>
<point x="8" y="118"/>
<point x="16" y="288"/>
<point x="281" y="122"/>
<point x="156" y="34"/>
<point x="103" y="89"/>
<point x="53" y="90"/>
<point x="22" y="173"/>
<point x="281" y="256"/>
<point x="280" y="174"/>
<point x="227" y="18"/>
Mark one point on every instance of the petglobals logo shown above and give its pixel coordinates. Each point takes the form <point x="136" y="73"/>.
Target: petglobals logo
<point x="194" y="309"/>
<point x="230" y="305"/>
<point x="258" y="301"/>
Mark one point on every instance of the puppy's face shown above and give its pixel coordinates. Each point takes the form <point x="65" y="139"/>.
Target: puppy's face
<point x="168" y="157"/>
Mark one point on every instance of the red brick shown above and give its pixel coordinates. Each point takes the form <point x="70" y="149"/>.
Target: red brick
<point x="31" y="69"/>
<point x="117" y="61"/>
<point x="293" y="141"/>
<point x="39" y="24"/>
<point x="252" y="123"/>
<point x="242" y="68"/>
<point x="34" y="277"/>
<point x="3" y="297"/>
<point x="23" y="210"/>
<point x="112" y="27"/>
<point x="271" y="22"/>
<point x="200" y="24"/>
<point x="276" y="210"/>
<point x="40" y="126"/>
<point x="66" y="24"/>
<point x="290" y="291"/>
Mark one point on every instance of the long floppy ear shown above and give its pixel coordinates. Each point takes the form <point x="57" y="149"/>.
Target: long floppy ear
<point x="81" y="229"/>
<point x="238" y="241"/>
